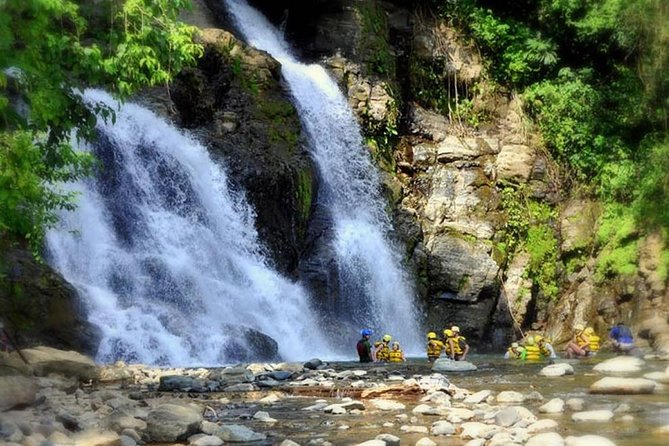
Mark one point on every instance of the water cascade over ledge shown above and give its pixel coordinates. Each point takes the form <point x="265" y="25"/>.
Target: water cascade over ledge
<point x="373" y="287"/>
<point x="166" y="259"/>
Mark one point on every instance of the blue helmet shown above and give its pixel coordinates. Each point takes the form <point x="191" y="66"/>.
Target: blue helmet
<point x="366" y="332"/>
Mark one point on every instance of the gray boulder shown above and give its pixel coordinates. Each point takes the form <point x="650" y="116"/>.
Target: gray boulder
<point x="448" y="365"/>
<point x="169" y="423"/>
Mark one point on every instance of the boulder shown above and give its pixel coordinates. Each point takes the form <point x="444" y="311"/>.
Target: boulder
<point x="442" y="427"/>
<point x="448" y="365"/>
<point x="546" y="439"/>
<point x="592" y="416"/>
<point x="16" y="391"/>
<point x="390" y="440"/>
<point x="623" y="386"/>
<point x="515" y="163"/>
<point x="507" y="417"/>
<point x="171" y="423"/>
<point x="478" y="397"/>
<point x="46" y="360"/>
<point x="556" y="405"/>
<point x="620" y="366"/>
<point x="387" y="405"/>
<point x="510" y="396"/>
<point x="557" y="370"/>
<point x="575" y="404"/>
<point x="474" y="429"/>
<point x="234" y="433"/>
<point x="660" y="377"/>
<point x="542" y="426"/>
<point x="96" y="438"/>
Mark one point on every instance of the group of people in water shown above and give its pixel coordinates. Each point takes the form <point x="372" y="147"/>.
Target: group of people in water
<point x="584" y="343"/>
<point x="453" y="345"/>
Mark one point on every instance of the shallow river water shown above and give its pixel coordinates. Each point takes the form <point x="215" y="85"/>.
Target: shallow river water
<point x="633" y="422"/>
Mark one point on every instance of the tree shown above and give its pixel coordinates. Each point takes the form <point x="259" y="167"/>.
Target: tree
<point x="48" y="54"/>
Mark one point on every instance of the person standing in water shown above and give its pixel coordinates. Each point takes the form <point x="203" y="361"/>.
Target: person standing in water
<point x="364" y="347"/>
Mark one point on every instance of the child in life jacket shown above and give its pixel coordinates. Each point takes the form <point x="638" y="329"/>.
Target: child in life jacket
<point x="396" y="354"/>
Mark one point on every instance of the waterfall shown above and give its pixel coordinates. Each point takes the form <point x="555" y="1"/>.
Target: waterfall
<point x="374" y="288"/>
<point x="165" y="256"/>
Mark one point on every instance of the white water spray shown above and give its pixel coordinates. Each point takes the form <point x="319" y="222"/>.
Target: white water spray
<point x="374" y="285"/>
<point x="166" y="257"/>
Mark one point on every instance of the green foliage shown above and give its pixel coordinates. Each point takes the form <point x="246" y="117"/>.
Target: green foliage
<point x="374" y="40"/>
<point x="618" y="238"/>
<point x="529" y="227"/>
<point x="284" y="124"/>
<point x="51" y="54"/>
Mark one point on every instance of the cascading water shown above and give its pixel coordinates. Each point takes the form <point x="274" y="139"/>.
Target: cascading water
<point x="166" y="256"/>
<point x="373" y="285"/>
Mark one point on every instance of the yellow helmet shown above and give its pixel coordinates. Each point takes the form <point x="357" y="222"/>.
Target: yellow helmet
<point x="455" y="329"/>
<point x="448" y="332"/>
<point x="387" y="338"/>
<point x="538" y="338"/>
<point x="529" y="340"/>
<point x="432" y="335"/>
<point x="578" y="327"/>
<point x="589" y="330"/>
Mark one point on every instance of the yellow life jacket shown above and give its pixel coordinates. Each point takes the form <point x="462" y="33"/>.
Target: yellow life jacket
<point x="594" y="343"/>
<point x="395" y="356"/>
<point x="544" y="351"/>
<point x="456" y="345"/>
<point x="382" y="355"/>
<point x="434" y="348"/>
<point x="532" y="353"/>
<point x="515" y="354"/>
<point x="582" y="340"/>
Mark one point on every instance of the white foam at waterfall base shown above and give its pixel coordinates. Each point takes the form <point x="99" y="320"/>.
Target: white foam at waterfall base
<point x="374" y="284"/>
<point x="165" y="256"/>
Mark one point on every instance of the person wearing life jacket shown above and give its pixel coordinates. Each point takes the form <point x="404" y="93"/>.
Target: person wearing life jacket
<point x="545" y="348"/>
<point x="532" y="352"/>
<point x="458" y="344"/>
<point x="396" y="354"/>
<point x="448" y="343"/>
<point x="434" y="347"/>
<point x="593" y="341"/>
<point x="382" y="348"/>
<point x="580" y="344"/>
<point x="515" y="352"/>
<point x="621" y="338"/>
<point x="364" y="347"/>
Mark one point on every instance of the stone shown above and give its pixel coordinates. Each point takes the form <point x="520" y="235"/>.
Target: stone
<point x="592" y="416"/>
<point x="454" y="148"/>
<point x="387" y="405"/>
<point x="96" y="438"/>
<point x="507" y="417"/>
<point x="10" y="432"/>
<point x="442" y="427"/>
<point x="546" y="439"/>
<point x="476" y="442"/>
<point x="556" y="405"/>
<point x="661" y="377"/>
<point x="389" y="439"/>
<point x="478" y="397"/>
<point x="515" y="163"/>
<point x="372" y="443"/>
<point x="474" y="429"/>
<point x="501" y="439"/>
<point x="127" y="441"/>
<point x="542" y="426"/>
<point x="118" y="422"/>
<point x="414" y="429"/>
<point x="242" y="387"/>
<point x="448" y="365"/>
<point x="313" y="364"/>
<point x="289" y="443"/>
<point x="204" y="440"/>
<point x="46" y="360"/>
<point x="235" y="433"/>
<point x="119" y="371"/>
<point x="623" y="386"/>
<point x="425" y="442"/>
<point x="560" y="369"/>
<point x="264" y="417"/>
<point x="180" y="383"/>
<point x="510" y="396"/>
<point x="16" y="391"/>
<point x="588" y="440"/>
<point x="170" y="423"/>
<point x="575" y="404"/>
<point x="620" y="366"/>
<point x="578" y="223"/>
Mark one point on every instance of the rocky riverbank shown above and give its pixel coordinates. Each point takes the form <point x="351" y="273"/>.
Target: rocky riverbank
<point x="63" y="398"/>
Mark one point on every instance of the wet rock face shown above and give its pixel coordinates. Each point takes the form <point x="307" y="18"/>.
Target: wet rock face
<point x="234" y="102"/>
<point x="38" y="306"/>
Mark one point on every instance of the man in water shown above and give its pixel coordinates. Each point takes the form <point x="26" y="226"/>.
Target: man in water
<point x="364" y="347"/>
<point x="515" y="352"/>
<point x="621" y="338"/>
